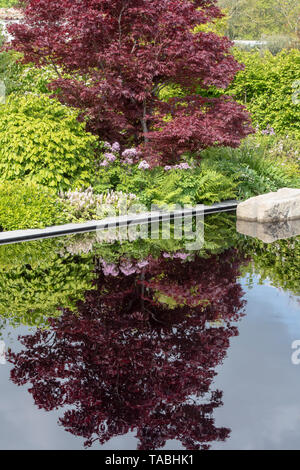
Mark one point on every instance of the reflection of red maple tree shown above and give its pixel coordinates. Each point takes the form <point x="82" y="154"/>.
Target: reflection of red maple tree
<point x="126" y="362"/>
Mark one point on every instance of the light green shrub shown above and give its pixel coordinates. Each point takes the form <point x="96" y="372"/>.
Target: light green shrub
<point x="266" y="88"/>
<point x="42" y="139"/>
<point x="25" y="204"/>
<point x="8" y="3"/>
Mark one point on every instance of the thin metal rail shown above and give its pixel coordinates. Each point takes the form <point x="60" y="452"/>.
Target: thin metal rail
<point x="16" y="236"/>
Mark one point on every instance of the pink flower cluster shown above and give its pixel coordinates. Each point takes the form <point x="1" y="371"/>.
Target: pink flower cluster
<point x="126" y="267"/>
<point x="180" y="166"/>
<point x="129" y="155"/>
<point x="110" y="156"/>
<point x="178" y="255"/>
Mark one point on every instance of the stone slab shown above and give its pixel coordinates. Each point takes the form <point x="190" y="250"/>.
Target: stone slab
<point x="271" y="207"/>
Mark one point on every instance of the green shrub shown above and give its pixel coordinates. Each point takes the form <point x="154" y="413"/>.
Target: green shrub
<point x="254" y="167"/>
<point x="21" y="78"/>
<point x="170" y="187"/>
<point x="266" y="88"/>
<point x="24" y="204"/>
<point x="189" y="187"/>
<point x="39" y="278"/>
<point x="42" y="139"/>
<point x="8" y="3"/>
<point x="284" y="150"/>
<point x="28" y="78"/>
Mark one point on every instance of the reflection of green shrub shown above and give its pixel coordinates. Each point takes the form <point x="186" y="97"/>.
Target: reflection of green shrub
<point x="24" y="204"/>
<point x="219" y="234"/>
<point x="278" y="262"/>
<point x="39" y="278"/>
<point x="36" y="281"/>
<point x="42" y="139"/>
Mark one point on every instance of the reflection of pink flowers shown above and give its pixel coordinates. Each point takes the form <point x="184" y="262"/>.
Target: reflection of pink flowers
<point x="142" y="264"/>
<point x="178" y="255"/>
<point x="127" y="268"/>
<point x="181" y="255"/>
<point x="110" y="269"/>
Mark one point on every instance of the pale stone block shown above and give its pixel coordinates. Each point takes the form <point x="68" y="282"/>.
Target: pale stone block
<point x="271" y="207"/>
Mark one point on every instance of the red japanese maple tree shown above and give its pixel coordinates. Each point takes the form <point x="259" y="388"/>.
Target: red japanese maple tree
<point x="121" y="54"/>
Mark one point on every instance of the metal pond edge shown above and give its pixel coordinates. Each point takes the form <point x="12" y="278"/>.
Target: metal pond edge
<point x="16" y="236"/>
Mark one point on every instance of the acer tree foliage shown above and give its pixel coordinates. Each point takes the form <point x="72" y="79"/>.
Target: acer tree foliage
<point x="125" y="361"/>
<point x="119" y="54"/>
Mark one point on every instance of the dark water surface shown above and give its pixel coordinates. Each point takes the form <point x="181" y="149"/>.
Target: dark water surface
<point x="170" y="350"/>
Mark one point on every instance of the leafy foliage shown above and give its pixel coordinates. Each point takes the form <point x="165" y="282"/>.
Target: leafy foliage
<point x="190" y="187"/>
<point x="9" y="70"/>
<point x="42" y="139"/>
<point x="25" y="204"/>
<point x="37" y="280"/>
<point x="183" y="183"/>
<point x="8" y="3"/>
<point x="278" y="262"/>
<point x="252" y="19"/>
<point x="254" y="167"/>
<point x="266" y="87"/>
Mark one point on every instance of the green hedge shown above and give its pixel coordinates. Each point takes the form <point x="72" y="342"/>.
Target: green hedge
<point x="25" y="204"/>
<point x="42" y="139"/>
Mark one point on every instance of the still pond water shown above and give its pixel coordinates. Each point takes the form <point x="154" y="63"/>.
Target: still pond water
<point x="144" y="345"/>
